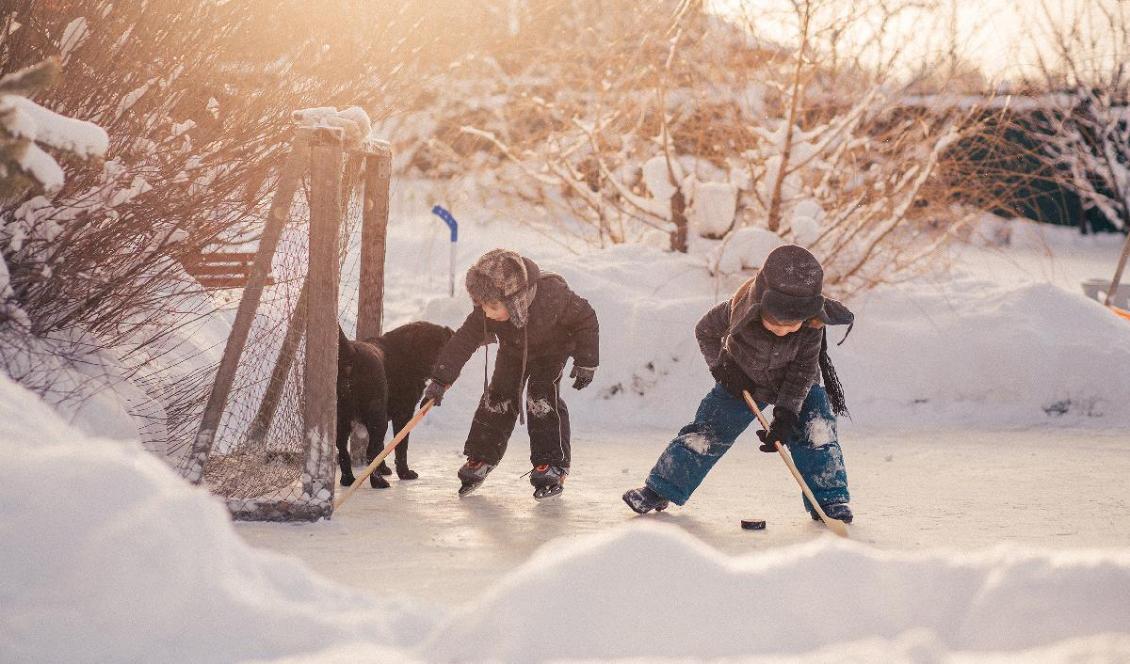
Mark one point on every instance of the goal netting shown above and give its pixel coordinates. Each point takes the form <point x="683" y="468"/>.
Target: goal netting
<point x="258" y="426"/>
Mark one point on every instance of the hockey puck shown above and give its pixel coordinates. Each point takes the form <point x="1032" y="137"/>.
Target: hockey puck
<point x="750" y="524"/>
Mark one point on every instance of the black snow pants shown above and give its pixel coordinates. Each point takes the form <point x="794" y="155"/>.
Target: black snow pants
<point x="547" y="417"/>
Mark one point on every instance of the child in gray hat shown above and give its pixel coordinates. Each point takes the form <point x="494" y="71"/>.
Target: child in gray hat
<point x="538" y="323"/>
<point x="769" y="339"/>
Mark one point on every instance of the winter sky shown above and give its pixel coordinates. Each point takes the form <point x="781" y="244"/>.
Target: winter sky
<point x="1002" y="37"/>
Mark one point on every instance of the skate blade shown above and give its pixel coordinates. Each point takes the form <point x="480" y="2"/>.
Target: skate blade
<point x="544" y="492"/>
<point x="468" y="489"/>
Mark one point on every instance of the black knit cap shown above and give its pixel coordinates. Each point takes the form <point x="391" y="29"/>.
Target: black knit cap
<point x="789" y="284"/>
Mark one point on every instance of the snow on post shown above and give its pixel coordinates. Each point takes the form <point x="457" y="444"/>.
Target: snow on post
<point x="354" y="121"/>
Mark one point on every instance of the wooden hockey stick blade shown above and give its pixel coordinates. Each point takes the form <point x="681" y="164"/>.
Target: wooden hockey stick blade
<point x="372" y="467"/>
<point x="835" y="525"/>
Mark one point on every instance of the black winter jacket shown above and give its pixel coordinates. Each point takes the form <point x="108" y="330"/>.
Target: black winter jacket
<point x="561" y="323"/>
<point x="783" y="369"/>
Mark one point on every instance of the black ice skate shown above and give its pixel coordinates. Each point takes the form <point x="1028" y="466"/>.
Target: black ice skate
<point x="472" y="474"/>
<point x="645" y="499"/>
<point x="548" y="480"/>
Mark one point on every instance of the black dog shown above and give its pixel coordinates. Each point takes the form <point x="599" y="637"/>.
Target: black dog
<point x="380" y="380"/>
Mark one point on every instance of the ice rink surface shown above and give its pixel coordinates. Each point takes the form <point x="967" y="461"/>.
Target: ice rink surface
<point x="911" y="489"/>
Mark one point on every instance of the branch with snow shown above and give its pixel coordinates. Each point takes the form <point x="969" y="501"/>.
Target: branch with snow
<point x="1086" y="141"/>
<point x="27" y="127"/>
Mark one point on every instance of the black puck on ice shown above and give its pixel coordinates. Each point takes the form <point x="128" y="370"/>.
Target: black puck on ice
<point x="751" y="524"/>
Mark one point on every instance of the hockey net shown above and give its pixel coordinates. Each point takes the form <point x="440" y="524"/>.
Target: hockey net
<point x="256" y="427"/>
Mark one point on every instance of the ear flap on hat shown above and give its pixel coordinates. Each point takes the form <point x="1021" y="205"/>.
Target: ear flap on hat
<point x="518" y="302"/>
<point x="835" y="313"/>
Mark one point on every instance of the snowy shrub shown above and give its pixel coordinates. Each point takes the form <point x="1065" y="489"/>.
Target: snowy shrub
<point x="196" y="98"/>
<point x="24" y="127"/>
<point x="694" y="128"/>
<point x="1085" y="131"/>
<point x="1085" y="139"/>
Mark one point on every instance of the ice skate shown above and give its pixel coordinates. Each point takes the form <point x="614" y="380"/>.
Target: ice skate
<point x="472" y="474"/>
<point x="548" y="481"/>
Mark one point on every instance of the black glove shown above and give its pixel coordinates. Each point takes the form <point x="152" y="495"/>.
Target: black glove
<point x="731" y="377"/>
<point x="583" y="375"/>
<point x="434" y="391"/>
<point x="783" y="424"/>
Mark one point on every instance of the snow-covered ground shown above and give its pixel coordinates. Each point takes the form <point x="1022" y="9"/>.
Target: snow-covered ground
<point x="108" y="556"/>
<point x="987" y="456"/>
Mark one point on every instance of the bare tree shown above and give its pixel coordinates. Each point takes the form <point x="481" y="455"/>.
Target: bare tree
<point x="1085" y="126"/>
<point x="811" y="139"/>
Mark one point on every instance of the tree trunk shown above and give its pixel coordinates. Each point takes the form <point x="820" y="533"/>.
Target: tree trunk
<point x="774" y="221"/>
<point x="679" y="218"/>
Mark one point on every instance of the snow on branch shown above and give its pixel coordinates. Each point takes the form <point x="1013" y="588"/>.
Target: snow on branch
<point x="35" y="123"/>
<point x="26" y="126"/>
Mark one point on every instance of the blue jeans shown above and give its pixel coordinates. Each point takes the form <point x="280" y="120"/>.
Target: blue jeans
<point x="721" y="418"/>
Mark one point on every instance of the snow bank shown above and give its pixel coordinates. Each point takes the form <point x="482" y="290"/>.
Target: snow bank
<point x="989" y="352"/>
<point x="648" y="591"/>
<point x="108" y="556"/>
<point x="1002" y="340"/>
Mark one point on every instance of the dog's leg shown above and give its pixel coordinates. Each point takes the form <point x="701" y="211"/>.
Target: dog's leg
<point x="376" y="421"/>
<point x="400" y="419"/>
<point x="375" y="447"/>
<point x="344" y="427"/>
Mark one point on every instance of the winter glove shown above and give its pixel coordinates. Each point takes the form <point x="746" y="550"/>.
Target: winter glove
<point x="783" y="424"/>
<point x="583" y="375"/>
<point x="434" y="391"/>
<point x="731" y="377"/>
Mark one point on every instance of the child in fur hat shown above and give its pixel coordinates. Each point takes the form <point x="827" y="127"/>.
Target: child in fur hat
<point x="538" y="323"/>
<point x="769" y="340"/>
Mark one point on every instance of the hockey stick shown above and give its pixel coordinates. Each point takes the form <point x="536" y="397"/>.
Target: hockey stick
<point x="835" y="525"/>
<point x="400" y="435"/>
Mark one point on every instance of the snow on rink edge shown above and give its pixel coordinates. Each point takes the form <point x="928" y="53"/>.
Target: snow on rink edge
<point x="652" y="591"/>
<point x="108" y="556"/>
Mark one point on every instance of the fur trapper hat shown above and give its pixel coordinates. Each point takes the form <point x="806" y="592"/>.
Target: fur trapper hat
<point x="506" y="277"/>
